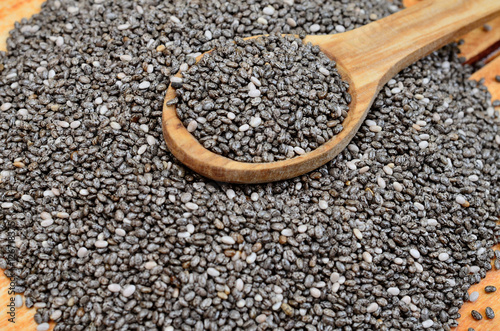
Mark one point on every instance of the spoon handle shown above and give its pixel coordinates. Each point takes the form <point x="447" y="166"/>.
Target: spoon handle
<point x="385" y="47"/>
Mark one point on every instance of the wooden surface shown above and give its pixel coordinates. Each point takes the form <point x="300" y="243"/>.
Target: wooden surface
<point x="12" y="10"/>
<point x="367" y="57"/>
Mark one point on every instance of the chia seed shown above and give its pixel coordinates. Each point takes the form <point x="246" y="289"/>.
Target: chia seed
<point x="476" y="315"/>
<point x="133" y="240"/>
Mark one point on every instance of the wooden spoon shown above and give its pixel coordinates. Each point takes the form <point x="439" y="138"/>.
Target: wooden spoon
<point x="367" y="57"/>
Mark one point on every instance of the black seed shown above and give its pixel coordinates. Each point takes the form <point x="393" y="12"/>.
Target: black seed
<point x="476" y="315"/>
<point x="490" y="314"/>
<point x="490" y="289"/>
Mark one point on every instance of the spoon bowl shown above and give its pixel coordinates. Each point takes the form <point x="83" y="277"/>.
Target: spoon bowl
<point x="367" y="58"/>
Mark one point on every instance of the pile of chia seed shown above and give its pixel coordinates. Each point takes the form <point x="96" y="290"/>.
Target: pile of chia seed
<point x="262" y="100"/>
<point x="112" y="233"/>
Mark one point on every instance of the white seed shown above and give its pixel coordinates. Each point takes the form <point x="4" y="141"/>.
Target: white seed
<point x="228" y="240"/>
<point x="142" y="149"/>
<point x="101" y="244"/>
<point x="398" y="261"/>
<point x="473" y="178"/>
<point x="421" y="123"/>
<point x="302" y="228"/>
<point x="73" y="10"/>
<point x="191" y="206"/>
<point x="269" y="10"/>
<point x="120" y="232"/>
<point x="47" y="223"/>
<point x="334" y="277"/>
<point x="230" y="194"/>
<point x="115" y="288"/>
<point x="388" y="170"/>
<point x="254" y="196"/>
<point x="126" y="58"/>
<point x="460" y="199"/>
<point x="375" y="128"/>
<point x="351" y="165"/>
<point x="364" y="169"/>
<point x="144" y="85"/>
<point x="254" y="93"/>
<point x="150" y="140"/>
<point x="43" y="327"/>
<point x="372" y="307"/>
<point x="357" y="233"/>
<point x="315" y="28"/>
<point x="381" y="182"/>
<point x="423" y="144"/>
<point x="367" y="257"/>
<point x="262" y="20"/>
<point x="393" y="291"/>
<point x="6" y="106"/>
<point x="115" y="125"/>
<point x="340" y="28"/>
<point x="239" y="284"/>
<point x="432" y="222"/>
<point x="82" y="252"/>
<point x="175" y="19"/>
<point x="150" y="265"/>
<point x="424" y="136"/>
<point x="255" y="81"/>
<point x="208" y="35"/>
<point x="315" y="293"/>
<point x="7" y="205"/>
<point x="474" y="296"/>
<point x="244" y="128"/>
<point x="231" y="116"/>
<point x="370" y="123"/>
<point x="427" y="323"/>
<point x="261" y="318"/>
<point x="415" y="253"/>
<point x="335" y="287"/>
<point x="322" y="204"/>
<point x="251" y="258"/>
<point x="443" y="256"/>
<point x="183" y="67"/>
<point x="398" y="187"/>
<point x="123" y="26"/>
<point x="287" y="232"/>
<point x="192" y="126"/>
<point x="255" y="122"/>
<point x="18" y="301"/>
<point x="128" y="290"/>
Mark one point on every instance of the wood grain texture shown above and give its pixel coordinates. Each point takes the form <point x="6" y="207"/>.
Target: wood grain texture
<point x="477" y="43"/>
<point x="12" y="10"/>
<point x="367" y="58"/>
<point x="489" y="72"/>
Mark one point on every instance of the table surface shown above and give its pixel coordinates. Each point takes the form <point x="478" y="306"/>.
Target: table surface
<point x="477" y="44"/>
